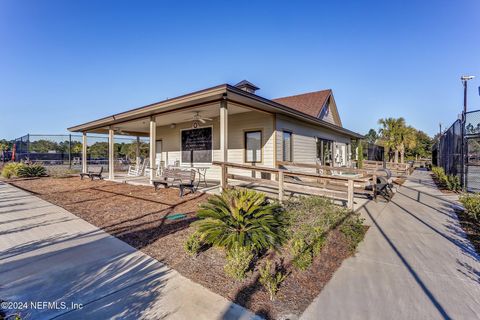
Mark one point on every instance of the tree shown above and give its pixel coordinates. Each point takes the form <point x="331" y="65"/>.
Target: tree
<point x="407" y="139"/>
<point x="390" y="134"/>
<point x="4" y="146"/>
<point x="371" y="136"/>
<point x="423" y="146"/>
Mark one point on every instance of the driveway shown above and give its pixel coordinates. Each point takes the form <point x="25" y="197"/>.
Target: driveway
<point x="415" y="263"/>
<point x="52" y="263"/>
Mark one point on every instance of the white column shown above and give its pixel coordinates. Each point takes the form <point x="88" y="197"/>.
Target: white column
<point x="224" y="131"/>
<point x="153" y="152"/>
<point x="84" y="152"/>
<point x="111" y="154"/>
<point x="223" y="141"/>
<point x="137" y="151"/>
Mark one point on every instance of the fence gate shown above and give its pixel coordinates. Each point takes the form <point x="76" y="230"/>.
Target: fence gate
<point x="472" y="159"/>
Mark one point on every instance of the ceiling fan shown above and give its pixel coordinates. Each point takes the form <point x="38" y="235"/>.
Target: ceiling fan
<point x="197" y="117"/>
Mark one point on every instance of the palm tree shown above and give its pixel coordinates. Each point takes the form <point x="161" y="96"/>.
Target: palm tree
<point x="408" y="140"/>
<point x="391" y="133"/>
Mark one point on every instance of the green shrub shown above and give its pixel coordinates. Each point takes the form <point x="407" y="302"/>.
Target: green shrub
<point x="11" y="169"/>
<point x="271" y="279"/>
<point x="311" y="218"/>
<point x="238" y="262"/>
<point x="471" y="203"/>
<point x="34" y="170"/>
<point x="318" y="244"/>
<point x="449" y="182"/>
<point x="453" y="183"/>
<point x="353" y="230"/>
<point x="302" y="254"/>
<point x="193" y="244"/>
<point x="241" y="217"/>
<point x="360" y="156"/>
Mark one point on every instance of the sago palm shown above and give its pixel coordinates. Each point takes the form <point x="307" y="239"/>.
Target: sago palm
<point x="241" y="217"/>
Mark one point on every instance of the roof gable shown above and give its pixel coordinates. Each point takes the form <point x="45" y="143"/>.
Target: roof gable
<point x="319" y="104"/>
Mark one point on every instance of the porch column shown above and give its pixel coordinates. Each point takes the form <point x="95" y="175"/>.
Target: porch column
<point x="84" y="152"/>
<point x="137" y="151"/>
<point x="153" y="152"/>
<point x="223" y="141"/>
<point x="111" y="154"/>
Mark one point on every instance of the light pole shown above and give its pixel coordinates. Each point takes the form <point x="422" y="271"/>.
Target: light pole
<point x="464" y="150"/>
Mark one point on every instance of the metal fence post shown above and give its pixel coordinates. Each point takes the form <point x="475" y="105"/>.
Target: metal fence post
<point x="28" y="146"/>
<point x="70" y="151"/>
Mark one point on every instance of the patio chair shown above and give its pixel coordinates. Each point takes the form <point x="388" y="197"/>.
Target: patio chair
<point x="94" y="172"/>
<point x="138" y="169"/>
<point x="183" y="179"/>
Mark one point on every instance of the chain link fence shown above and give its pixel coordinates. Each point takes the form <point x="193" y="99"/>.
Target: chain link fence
<point x="449" y="154"/>
<point x="66" y="150"/>
<point x="472" y="136"/>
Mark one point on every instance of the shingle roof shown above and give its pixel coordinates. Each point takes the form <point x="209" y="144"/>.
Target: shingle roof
<point x="310" y="103"/>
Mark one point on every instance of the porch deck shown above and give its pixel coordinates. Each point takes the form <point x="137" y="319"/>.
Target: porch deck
<point x="213" y="187"/>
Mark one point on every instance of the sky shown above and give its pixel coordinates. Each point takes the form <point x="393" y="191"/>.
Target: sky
<point x="63" y="63"/>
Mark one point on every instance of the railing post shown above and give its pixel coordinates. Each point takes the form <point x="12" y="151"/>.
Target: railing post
<point x="350" y="194"/>
<point x="280" y="186"/>
<point x="374" y="187"/>
<point x="224" y="178"/>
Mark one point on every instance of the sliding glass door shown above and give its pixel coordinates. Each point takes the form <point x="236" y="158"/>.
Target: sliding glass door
<point x="324" y="151"/>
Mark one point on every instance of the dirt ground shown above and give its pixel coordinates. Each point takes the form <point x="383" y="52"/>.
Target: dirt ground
<point x="137" y="215"/>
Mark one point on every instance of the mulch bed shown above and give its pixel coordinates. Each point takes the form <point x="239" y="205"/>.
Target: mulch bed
<point x="137" y="215"/>
<point x="471" y="228"/>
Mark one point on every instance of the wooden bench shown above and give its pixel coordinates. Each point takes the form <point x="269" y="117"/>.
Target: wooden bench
<point x="94" y="172"/>
<point x="183" y="179"/>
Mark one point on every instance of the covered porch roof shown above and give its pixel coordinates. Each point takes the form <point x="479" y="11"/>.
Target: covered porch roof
<point x="182" y="108"/>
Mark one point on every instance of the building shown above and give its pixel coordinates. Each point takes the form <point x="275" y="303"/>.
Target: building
<point x="233" y="124"/>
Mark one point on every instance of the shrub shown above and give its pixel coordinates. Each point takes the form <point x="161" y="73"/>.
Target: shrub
<point x="34" y="170"/>
<point x="471" y="203"/>
<point x="11" y="169"/>
<point x="318" y="244"/>
<point x="271" y="279"/>
<point x="238" y="262"/>
<point x="353" y="230"/>
<point x="311" y="218"/>
<point x="449" y="182"/>
<point x="241" y="217"/>
<point x="302" y="253"/>
<point x="453" y="183"/>
<point x="193" y="244"/>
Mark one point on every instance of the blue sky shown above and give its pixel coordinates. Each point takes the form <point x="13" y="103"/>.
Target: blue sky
<point x="67" y="62"/>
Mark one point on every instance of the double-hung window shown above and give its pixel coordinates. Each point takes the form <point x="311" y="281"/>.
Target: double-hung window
<point x="253" y="146"/>
<point x="287" y="146"/>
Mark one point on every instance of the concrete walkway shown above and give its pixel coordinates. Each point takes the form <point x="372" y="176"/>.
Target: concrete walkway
<point x="48" y="255"/>
<point x="415" y="263"/>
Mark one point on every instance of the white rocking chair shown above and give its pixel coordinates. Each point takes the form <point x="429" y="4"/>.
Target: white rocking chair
<point x="138" y="169"/>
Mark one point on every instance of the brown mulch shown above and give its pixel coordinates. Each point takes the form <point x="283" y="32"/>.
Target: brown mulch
<point x="471" y="228"/>
<point x="137" y="215"/>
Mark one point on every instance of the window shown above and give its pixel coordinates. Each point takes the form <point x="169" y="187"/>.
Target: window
<point x="253" y="146"/>
<point x="287" y="146"/>
<point x="197" y="145"/>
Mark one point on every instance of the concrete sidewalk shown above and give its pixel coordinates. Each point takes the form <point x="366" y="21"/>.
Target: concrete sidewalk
<point x="415" y="263"/>
<point x="49" y="255"/>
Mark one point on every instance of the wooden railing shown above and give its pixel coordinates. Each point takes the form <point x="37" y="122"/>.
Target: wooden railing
<point x="324" y="169"/>
<point x="396" y="168"/>
<point x="337" y="187"/>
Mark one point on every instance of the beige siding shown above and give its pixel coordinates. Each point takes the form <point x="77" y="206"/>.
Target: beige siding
<point x="304" y="138"/>
<point x="329" y="116"/>
<point x="237" y="125"/>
